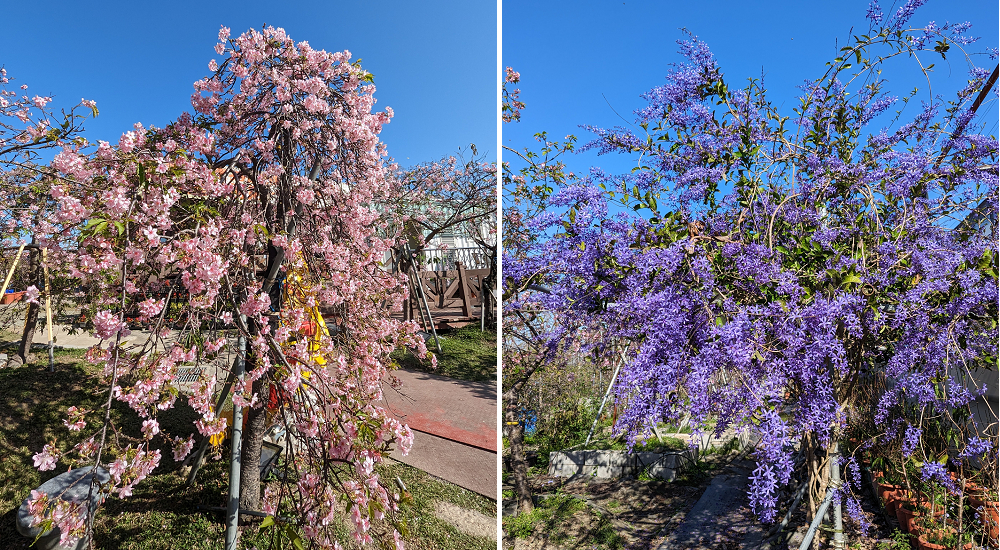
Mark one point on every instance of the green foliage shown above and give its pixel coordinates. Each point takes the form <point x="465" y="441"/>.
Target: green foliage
<point x="897" y="541"/>
<point x="549" y="513"/>
<point x="553" y="514"/>
<point x="563" y="424"/>
<point x="467" y="354"/>
<point x="426" y="530"/>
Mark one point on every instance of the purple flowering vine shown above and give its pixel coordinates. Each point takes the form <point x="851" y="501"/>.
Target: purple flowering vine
<point x="778" y="266"/>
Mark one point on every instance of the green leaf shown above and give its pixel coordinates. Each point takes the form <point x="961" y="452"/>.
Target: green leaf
<point x="268" y="521"/>
<point x="292" y="535"/>
<point x="942" y="47"/>
<point x="851" y="279"/>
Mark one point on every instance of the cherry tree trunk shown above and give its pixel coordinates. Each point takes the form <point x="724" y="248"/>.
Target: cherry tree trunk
<point x="253" y="438"/>
<point x="28" y="334"/>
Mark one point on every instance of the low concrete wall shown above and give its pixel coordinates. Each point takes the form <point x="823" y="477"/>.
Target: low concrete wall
<point x="616" y="464"/>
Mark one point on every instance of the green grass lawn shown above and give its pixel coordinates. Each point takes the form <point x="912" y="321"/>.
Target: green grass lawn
<point x="427" y="531"/>
<point x="551" y="517"/>
<point x="466" y="353"/>
<point x="162" y="513"/>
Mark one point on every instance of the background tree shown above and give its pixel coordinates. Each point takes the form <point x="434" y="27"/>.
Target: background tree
<point x="28" y="127"/>
<point x="451" y="195"/>
<point x="784" y="261"/>
<point x="527" y="327"/>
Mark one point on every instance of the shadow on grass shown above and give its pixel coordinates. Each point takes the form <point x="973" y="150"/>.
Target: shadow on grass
<point x="426" y="530"/>
<point x="467" y="354"/>
<point x="162" y="512"/>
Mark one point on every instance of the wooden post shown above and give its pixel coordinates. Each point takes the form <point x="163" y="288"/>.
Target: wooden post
<point x="463" y="280"/>
<point x="10" y="273"/>
<point x="48" y="309"/>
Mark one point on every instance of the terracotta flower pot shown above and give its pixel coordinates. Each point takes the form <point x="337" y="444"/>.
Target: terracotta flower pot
<point x="889" y="501"/>
<point x="11" y="297"/>
<point x="904" y="515"/>
<point x="904" y="498"/>
<point x="889" y="498"/>
<point x="915" y="520"/>
<point x="991" y="521"/>
<point x="922" y="544"/>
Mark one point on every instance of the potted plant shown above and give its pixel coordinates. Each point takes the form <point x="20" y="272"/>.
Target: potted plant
<point x="888" y="484"/>
<point x="906" y="505"/>
<point x="930" y="532"/>
<point x="988" y="508"/>
<point x="10" y="297"/>
<point x="945" y="539"/>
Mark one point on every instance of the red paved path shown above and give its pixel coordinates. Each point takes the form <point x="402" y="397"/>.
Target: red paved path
<point x="448" y="408"/>
<point x="455" y="428"/>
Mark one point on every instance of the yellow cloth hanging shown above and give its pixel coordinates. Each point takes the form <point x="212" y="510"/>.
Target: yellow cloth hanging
<point x="315" y="329"/>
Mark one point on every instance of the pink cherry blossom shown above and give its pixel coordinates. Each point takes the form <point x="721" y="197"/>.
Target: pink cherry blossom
<point x="107" y="324"/>
<point x="46" y="460"/>
<point x="150" y="428"/>
<point x="31" y="294"/>
<point x="151" y="307"/>
<point x="188" y="211"/>
<point x="182" y="447"/>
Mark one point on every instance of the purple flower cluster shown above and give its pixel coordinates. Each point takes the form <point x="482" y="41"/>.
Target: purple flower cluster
<point x="778" y="267"/>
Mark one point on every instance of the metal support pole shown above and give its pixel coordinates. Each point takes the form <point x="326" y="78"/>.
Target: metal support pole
<point x="839" y="543"/>
<point x="604" y="400"/>
<point x="199" y="456"/>
<point x="791" y="510"/>
<point x="233" y="506"/>
<point x="817" y="520"/>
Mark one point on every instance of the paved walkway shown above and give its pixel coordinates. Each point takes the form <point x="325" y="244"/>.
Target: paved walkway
<point x="722" y="517"/>
<point x="455" y="430"/>
<point x="81" y="340"/>
<point x="462" y="411"/>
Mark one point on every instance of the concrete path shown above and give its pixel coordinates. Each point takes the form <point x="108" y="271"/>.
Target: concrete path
<point x="63" y="339"/>
<point x="455" y="430"/>
<point x="468" y="467"/>
<point x="453" y="409"/>
<point x="721" y="517"/>
<point x="469" y="522"/>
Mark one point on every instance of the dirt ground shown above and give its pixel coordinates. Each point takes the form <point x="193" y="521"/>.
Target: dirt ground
<point x="621" y="513"/>
<point x="599" y="514"/>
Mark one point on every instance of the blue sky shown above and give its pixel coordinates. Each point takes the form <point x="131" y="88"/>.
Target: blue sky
<point x="581" y="61"/>
<point x="434" y="61"/>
